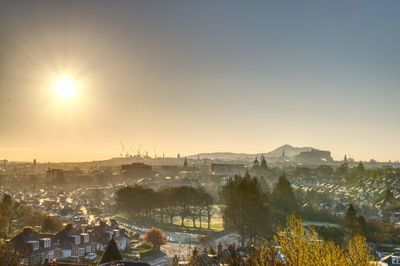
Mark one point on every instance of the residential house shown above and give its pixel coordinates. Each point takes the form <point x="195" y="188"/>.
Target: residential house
<point x="102" y="233"/>
<point x="392" y="259"/>
<point x="73" y="242"/>
<point x="33" y="247"/>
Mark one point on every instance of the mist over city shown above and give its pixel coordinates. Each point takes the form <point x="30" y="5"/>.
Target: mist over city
<point x="196" y="133"/>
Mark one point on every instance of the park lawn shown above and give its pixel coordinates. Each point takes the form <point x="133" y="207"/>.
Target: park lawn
<point x="215" y="225"/>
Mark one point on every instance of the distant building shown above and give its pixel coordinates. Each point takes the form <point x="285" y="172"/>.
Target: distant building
<point x="55" y="174"/>
<point x="168" y="170"/>
<point x="136" y="170"/>
<point x="227" y="169"/>
<point x="314" y="156"/>
<point x="256" y="164"/>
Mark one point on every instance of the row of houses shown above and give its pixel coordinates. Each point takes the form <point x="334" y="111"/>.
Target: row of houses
<point x="71" y="242"/>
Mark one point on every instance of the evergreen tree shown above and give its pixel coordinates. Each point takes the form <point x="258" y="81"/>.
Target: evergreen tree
<point x="363" y="224"/>
<point x="283" y="196"/>
<point x="351" y="220"/>
<point x="246" y="208"/>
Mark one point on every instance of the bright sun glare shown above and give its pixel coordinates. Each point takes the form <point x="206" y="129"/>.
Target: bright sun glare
<point x="65" y="87"/>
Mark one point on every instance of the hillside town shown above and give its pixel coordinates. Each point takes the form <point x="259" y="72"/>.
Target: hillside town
<point x="75" y="210"/>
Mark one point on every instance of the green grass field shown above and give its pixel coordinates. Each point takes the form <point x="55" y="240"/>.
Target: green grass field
<point x="215" y="225"/>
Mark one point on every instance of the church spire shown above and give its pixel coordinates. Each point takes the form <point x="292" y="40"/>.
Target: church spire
<point x="255" y="163"/>
<point x="263" y="162"/>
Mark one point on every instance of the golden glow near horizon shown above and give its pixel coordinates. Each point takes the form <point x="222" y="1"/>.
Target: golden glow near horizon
<point x="65" y="87"/>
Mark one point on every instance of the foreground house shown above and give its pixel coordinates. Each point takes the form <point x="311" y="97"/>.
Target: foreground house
<point x="34" y="248"/>
<point x="392" y="259"/>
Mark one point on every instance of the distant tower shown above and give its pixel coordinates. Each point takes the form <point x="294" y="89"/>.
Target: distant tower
<point x="185" y="164"/>
<point x="163" y="156"/>
<point x="198" y="156"/>
<point x="178" y="156"/>
<point x="255" y="163"/>
<point x="263" y="162"/>
<point x="283" y="153"/>
<point x="34" y="164"/>
<point x="345" y="162"/>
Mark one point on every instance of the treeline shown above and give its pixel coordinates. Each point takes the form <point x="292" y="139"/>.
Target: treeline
<point x="148" y="205"/>
<point x="349" y="174"/>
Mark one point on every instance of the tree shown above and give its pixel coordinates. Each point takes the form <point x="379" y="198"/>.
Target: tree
<point x="155" y="237"/>
<point x="358" y="253"/>
<point x="208" y="207"/>
<point x="8" y="256"/>
<point x="389" y="197"/>
<point x="283" y="196"/>
<point x="265" y="255"/>
<point x="363" y="224"/>
<point x="170" y="205"/>
<point x="351" y="221"/>
<point x="360" y="169"/>
<point x="301" y="245"/>
<point x="298" y="243"/>
<point x="6" y="210"/>
<point x="51" y="224"/>
<point x="325" y="171"/>
<point x="184" y="199"/>
<point x="246" y="208"/>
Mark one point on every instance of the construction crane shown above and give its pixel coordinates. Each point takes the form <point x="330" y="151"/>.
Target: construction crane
<point x="124" y="152"/>
<point x="139" y="149"/>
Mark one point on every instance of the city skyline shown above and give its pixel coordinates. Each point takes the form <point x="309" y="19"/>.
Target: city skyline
<point x="198" y="77"/>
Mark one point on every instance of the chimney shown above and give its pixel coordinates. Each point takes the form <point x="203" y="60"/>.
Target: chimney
<point x="195" y="253"/>
<point x="219" y="249"/>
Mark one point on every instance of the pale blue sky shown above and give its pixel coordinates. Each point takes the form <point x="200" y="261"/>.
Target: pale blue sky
<point x="200" y="76"/>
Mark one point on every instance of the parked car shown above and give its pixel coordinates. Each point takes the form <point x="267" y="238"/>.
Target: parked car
<point x="91" y="256"/>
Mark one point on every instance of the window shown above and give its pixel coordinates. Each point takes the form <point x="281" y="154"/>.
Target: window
<point x="50" y="255"/>
<point x="85" y="238"/>
<point x="34" y="244"/>
<point x="46" y="242"/>
<point x="110" y="234"/>
<point x="88" y="249"/>
<point x="396" y="260"/>
<point x="77" y="240"/>
<point x="81" y="252"/>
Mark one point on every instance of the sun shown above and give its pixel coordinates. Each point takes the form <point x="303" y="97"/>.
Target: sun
<point x="65" y="87"/>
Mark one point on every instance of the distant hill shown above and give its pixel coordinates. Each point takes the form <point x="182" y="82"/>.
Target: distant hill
<point x="290" y="151"/>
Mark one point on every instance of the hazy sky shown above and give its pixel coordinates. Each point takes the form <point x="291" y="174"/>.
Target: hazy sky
<point x="199" y="76"/>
